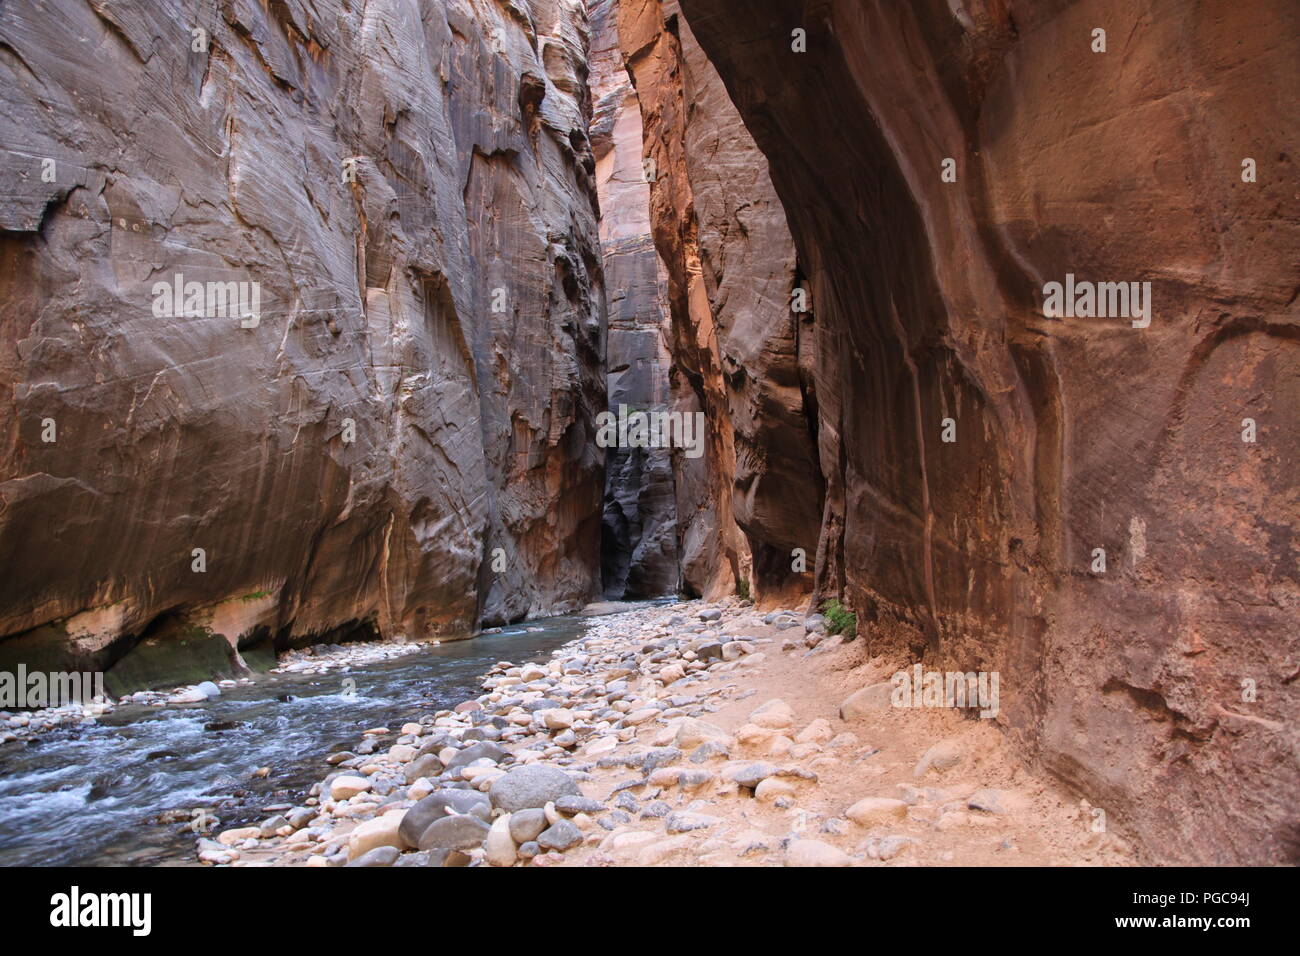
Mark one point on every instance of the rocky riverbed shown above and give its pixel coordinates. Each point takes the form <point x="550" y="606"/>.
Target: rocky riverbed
<point x="680" y="734"/>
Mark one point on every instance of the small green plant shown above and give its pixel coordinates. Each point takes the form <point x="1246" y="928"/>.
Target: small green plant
<point x="840" y="620"/>
<point x="742" y="588"/>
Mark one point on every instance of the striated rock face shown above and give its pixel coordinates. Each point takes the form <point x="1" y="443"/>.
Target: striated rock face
<point x="740" y="354"/>
<point x="639" y="541"/>
<point x="413" y="383"/>
<point x="1069" y="434"/>
<point x="307" y="310"/>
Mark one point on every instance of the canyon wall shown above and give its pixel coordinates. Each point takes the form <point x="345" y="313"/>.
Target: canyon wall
<point x="977" y="454"/>
<point x="308" y="308"/>
<point x="397" y="436"/>
<point x="750" y="506"/>
<point x="639" y="541"/>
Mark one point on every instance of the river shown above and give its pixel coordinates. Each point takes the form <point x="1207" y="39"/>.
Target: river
<point x="86" y="794"/>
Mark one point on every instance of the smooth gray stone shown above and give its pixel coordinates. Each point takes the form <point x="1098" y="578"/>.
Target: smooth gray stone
<point x="435" y="806"/>
<point x="426" y="766"/>
<point x="527" y="825"/>
<point x="560" y="836"/>
<point x="460" y="832"/>
<point x="533" y="786"/>
<point x="754" y="774"/>
<point x="571" y="805"/>
<point x="379" y="856"/>
<point x="483" y="749"/>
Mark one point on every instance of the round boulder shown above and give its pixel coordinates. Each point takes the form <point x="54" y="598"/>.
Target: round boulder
<point x="438" y="805"/>
<point x="535" y="786"/>
<point x="460" y="832"/>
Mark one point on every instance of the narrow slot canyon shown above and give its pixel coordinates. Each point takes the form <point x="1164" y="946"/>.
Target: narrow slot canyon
<point x="622" y="395"/>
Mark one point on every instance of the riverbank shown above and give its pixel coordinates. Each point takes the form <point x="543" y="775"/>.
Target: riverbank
<point x="681" y="734"/>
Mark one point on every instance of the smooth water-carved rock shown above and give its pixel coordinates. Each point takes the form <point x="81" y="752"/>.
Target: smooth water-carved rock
<point x="977" y="453"/>
<point x="741" y="354"/>
<point x="400" y="441"/>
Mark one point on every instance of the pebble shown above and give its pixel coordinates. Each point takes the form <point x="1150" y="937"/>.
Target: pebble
<point x="456" y="832"/>
<point x="734" y="650"/>
<point x="500" y="848"/>
<point x="234" y="837"/>
<point x="560" y="836"/>
<point x="573" y="804"/>
<point x="427" y="766"/>
<point x="684" y="822"/>
<point x="656" y="810"/>
<point x="886" y="848"/>
<point x="273" y="825"/>
<point x="749" y="775"/>
<point x="379" y="856"/>
<point x="944" y="755"/>
<point x="869" y="701"/>
<point x="775" y="714"/>
<point x="819" y="731"/>
<point x="872" y="811"/>
<point x="527" y="825"/>
<point x="345" y="787"/>
<point x="989" y="800"/>
<point x="713" y="750"/>
<point x="692" y="733"/>
<point x="534" y="786"/>
<point x="382" y="831"/>
<point x="771" y="789"/>
<point x="484" y="750"/>
<point x="815" y="853"/>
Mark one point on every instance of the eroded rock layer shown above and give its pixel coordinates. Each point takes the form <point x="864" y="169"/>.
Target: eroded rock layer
<point x="1163" y="688"/>
<point x="401" y="439"/>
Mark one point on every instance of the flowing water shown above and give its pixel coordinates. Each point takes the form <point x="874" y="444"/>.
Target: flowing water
<point x="86" y="794"/>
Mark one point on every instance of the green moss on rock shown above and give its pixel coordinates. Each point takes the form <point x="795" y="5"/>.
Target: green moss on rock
<point x="175" y="654"/>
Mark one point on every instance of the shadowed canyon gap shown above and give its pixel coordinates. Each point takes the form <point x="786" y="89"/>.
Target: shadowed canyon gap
<point x="478" y="224"/>
<point x="639" y="547"/>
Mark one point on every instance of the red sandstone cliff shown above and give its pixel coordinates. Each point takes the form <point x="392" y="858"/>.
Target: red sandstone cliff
<point x="1068" y="434"/>
<point x="740" y="353"/>
<point x="421" y="386"/>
